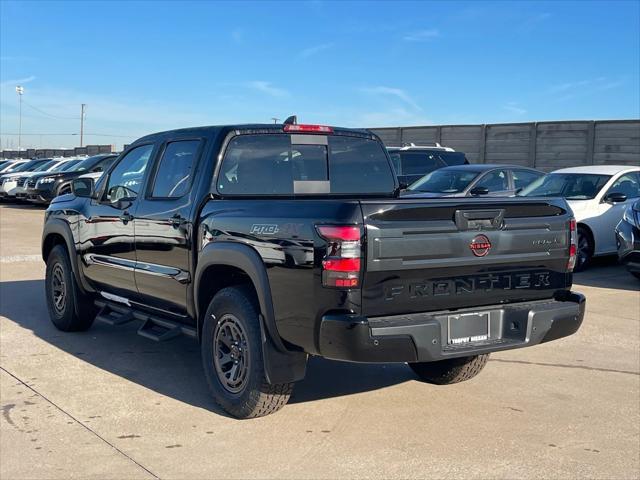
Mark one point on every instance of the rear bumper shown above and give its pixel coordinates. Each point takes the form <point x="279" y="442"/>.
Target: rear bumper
<point x="423" y="337"/>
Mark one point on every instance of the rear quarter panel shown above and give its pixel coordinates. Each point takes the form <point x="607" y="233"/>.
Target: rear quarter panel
<point x="283" y="233"/>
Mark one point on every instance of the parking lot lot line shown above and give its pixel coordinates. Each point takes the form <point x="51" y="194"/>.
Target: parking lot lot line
<point x="74" y="419"/>
<point x="20" y="258"/>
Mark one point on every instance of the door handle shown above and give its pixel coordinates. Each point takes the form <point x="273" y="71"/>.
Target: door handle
<point x="126" y="217"/>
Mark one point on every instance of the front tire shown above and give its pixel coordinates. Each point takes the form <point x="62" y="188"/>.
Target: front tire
<point x="585" y="249"/>
<point x="454" y="370"/>
<point x="69" y="309"/>
<point x="232" y="357"/>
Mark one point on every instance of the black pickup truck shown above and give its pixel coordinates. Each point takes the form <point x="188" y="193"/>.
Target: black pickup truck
<point x="269" y="243"/>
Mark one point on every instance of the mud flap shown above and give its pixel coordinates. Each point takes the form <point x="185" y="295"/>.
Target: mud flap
<point x="281" y="367"/>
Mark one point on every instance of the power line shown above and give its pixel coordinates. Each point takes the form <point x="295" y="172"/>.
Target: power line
<point x="48" y="114"/>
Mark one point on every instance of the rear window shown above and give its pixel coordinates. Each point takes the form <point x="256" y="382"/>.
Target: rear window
<point x="415" y="163"/>
<point x="282" y="164"/>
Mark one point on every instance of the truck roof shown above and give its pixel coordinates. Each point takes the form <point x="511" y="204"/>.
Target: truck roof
<point x="209" y="129"/>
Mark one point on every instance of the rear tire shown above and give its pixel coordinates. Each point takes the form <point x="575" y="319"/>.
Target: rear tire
<point x="454" y="370"/>
<point x="69" y="309"/>
<point x="231" y="350"/>
<point x="585" y="249"/>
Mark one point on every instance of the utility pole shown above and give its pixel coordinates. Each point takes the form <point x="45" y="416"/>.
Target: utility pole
<point x="19" y="91"/>
<point x="275" y="119"/>
<point x="82" y="106"/>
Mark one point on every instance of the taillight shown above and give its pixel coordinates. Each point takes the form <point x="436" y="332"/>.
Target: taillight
<point x="302" y="128"/>
<point x="341" y="264"/>
<point x="573" y="245"/>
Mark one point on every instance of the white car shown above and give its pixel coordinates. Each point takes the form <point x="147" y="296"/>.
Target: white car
<point x="598" y="196"/>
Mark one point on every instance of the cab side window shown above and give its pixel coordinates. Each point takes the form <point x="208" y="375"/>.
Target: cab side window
<point x="175" y="170"/>
<point x="629" y="184"/>
<point x="126" y="179"/>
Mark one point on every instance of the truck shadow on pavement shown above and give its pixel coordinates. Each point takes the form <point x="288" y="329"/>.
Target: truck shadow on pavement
<point x="174" y="368"/>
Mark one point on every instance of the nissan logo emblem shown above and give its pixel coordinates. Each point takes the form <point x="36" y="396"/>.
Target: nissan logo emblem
<point x="480" y="245"/>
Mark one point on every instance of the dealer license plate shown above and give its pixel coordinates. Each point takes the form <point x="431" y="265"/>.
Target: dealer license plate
<point x="468" y="328"/>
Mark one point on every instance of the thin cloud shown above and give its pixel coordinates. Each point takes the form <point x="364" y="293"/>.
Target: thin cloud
<point x="311" y="51"/>
<point x="514" y="108"/>
<point x="582" y="88"/>
<point x="267" y="88"/>
<point x="17" y="81"/>
<point x="422" y="35"/>
<point x="563" y="87"/>
<point x="392" y="92"/>
<point x="387" y="118"/>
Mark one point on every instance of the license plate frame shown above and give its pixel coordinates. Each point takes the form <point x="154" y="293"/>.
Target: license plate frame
<point x="468" y="328"/>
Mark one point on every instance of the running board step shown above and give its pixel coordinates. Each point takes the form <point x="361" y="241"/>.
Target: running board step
<point x="112" y="317"/>
<point x="155" y="330"/>
<point x="153" y="327"/>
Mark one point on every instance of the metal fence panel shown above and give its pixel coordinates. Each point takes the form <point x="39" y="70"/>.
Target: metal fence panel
<point x="544" y="145"/>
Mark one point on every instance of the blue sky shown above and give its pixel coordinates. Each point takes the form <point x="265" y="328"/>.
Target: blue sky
<point x="148" y="66"/>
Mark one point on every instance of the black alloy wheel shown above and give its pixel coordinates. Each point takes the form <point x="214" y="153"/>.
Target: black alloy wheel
<point x="58" y="289"/>
<point x="231" y="353"/>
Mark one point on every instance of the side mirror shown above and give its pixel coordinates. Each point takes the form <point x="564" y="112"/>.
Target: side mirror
<point x="614" y="197"/>
<point x="403" y="185"/>
<point x="82" y="187"/>
<point x="479" y="191"/>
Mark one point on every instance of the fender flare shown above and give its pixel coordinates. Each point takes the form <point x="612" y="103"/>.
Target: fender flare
<point x="281" y="365"/>
<point x="243" y="257"/>
<point x="57" y="226"/>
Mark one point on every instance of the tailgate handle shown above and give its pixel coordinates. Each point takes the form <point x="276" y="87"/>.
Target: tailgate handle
<point x="480" y="219"/>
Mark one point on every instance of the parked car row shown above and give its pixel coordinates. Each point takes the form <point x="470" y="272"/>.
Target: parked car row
<point x="41" y="180"/>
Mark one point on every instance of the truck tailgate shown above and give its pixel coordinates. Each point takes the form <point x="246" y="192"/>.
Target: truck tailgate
<point x="434" y="254"/>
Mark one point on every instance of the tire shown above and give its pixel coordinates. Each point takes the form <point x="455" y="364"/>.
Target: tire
<point x="231" y="338"/>
<point x="446" y="372"/>
<point x="585" y="249"/>
<point x="69" y="309"/>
